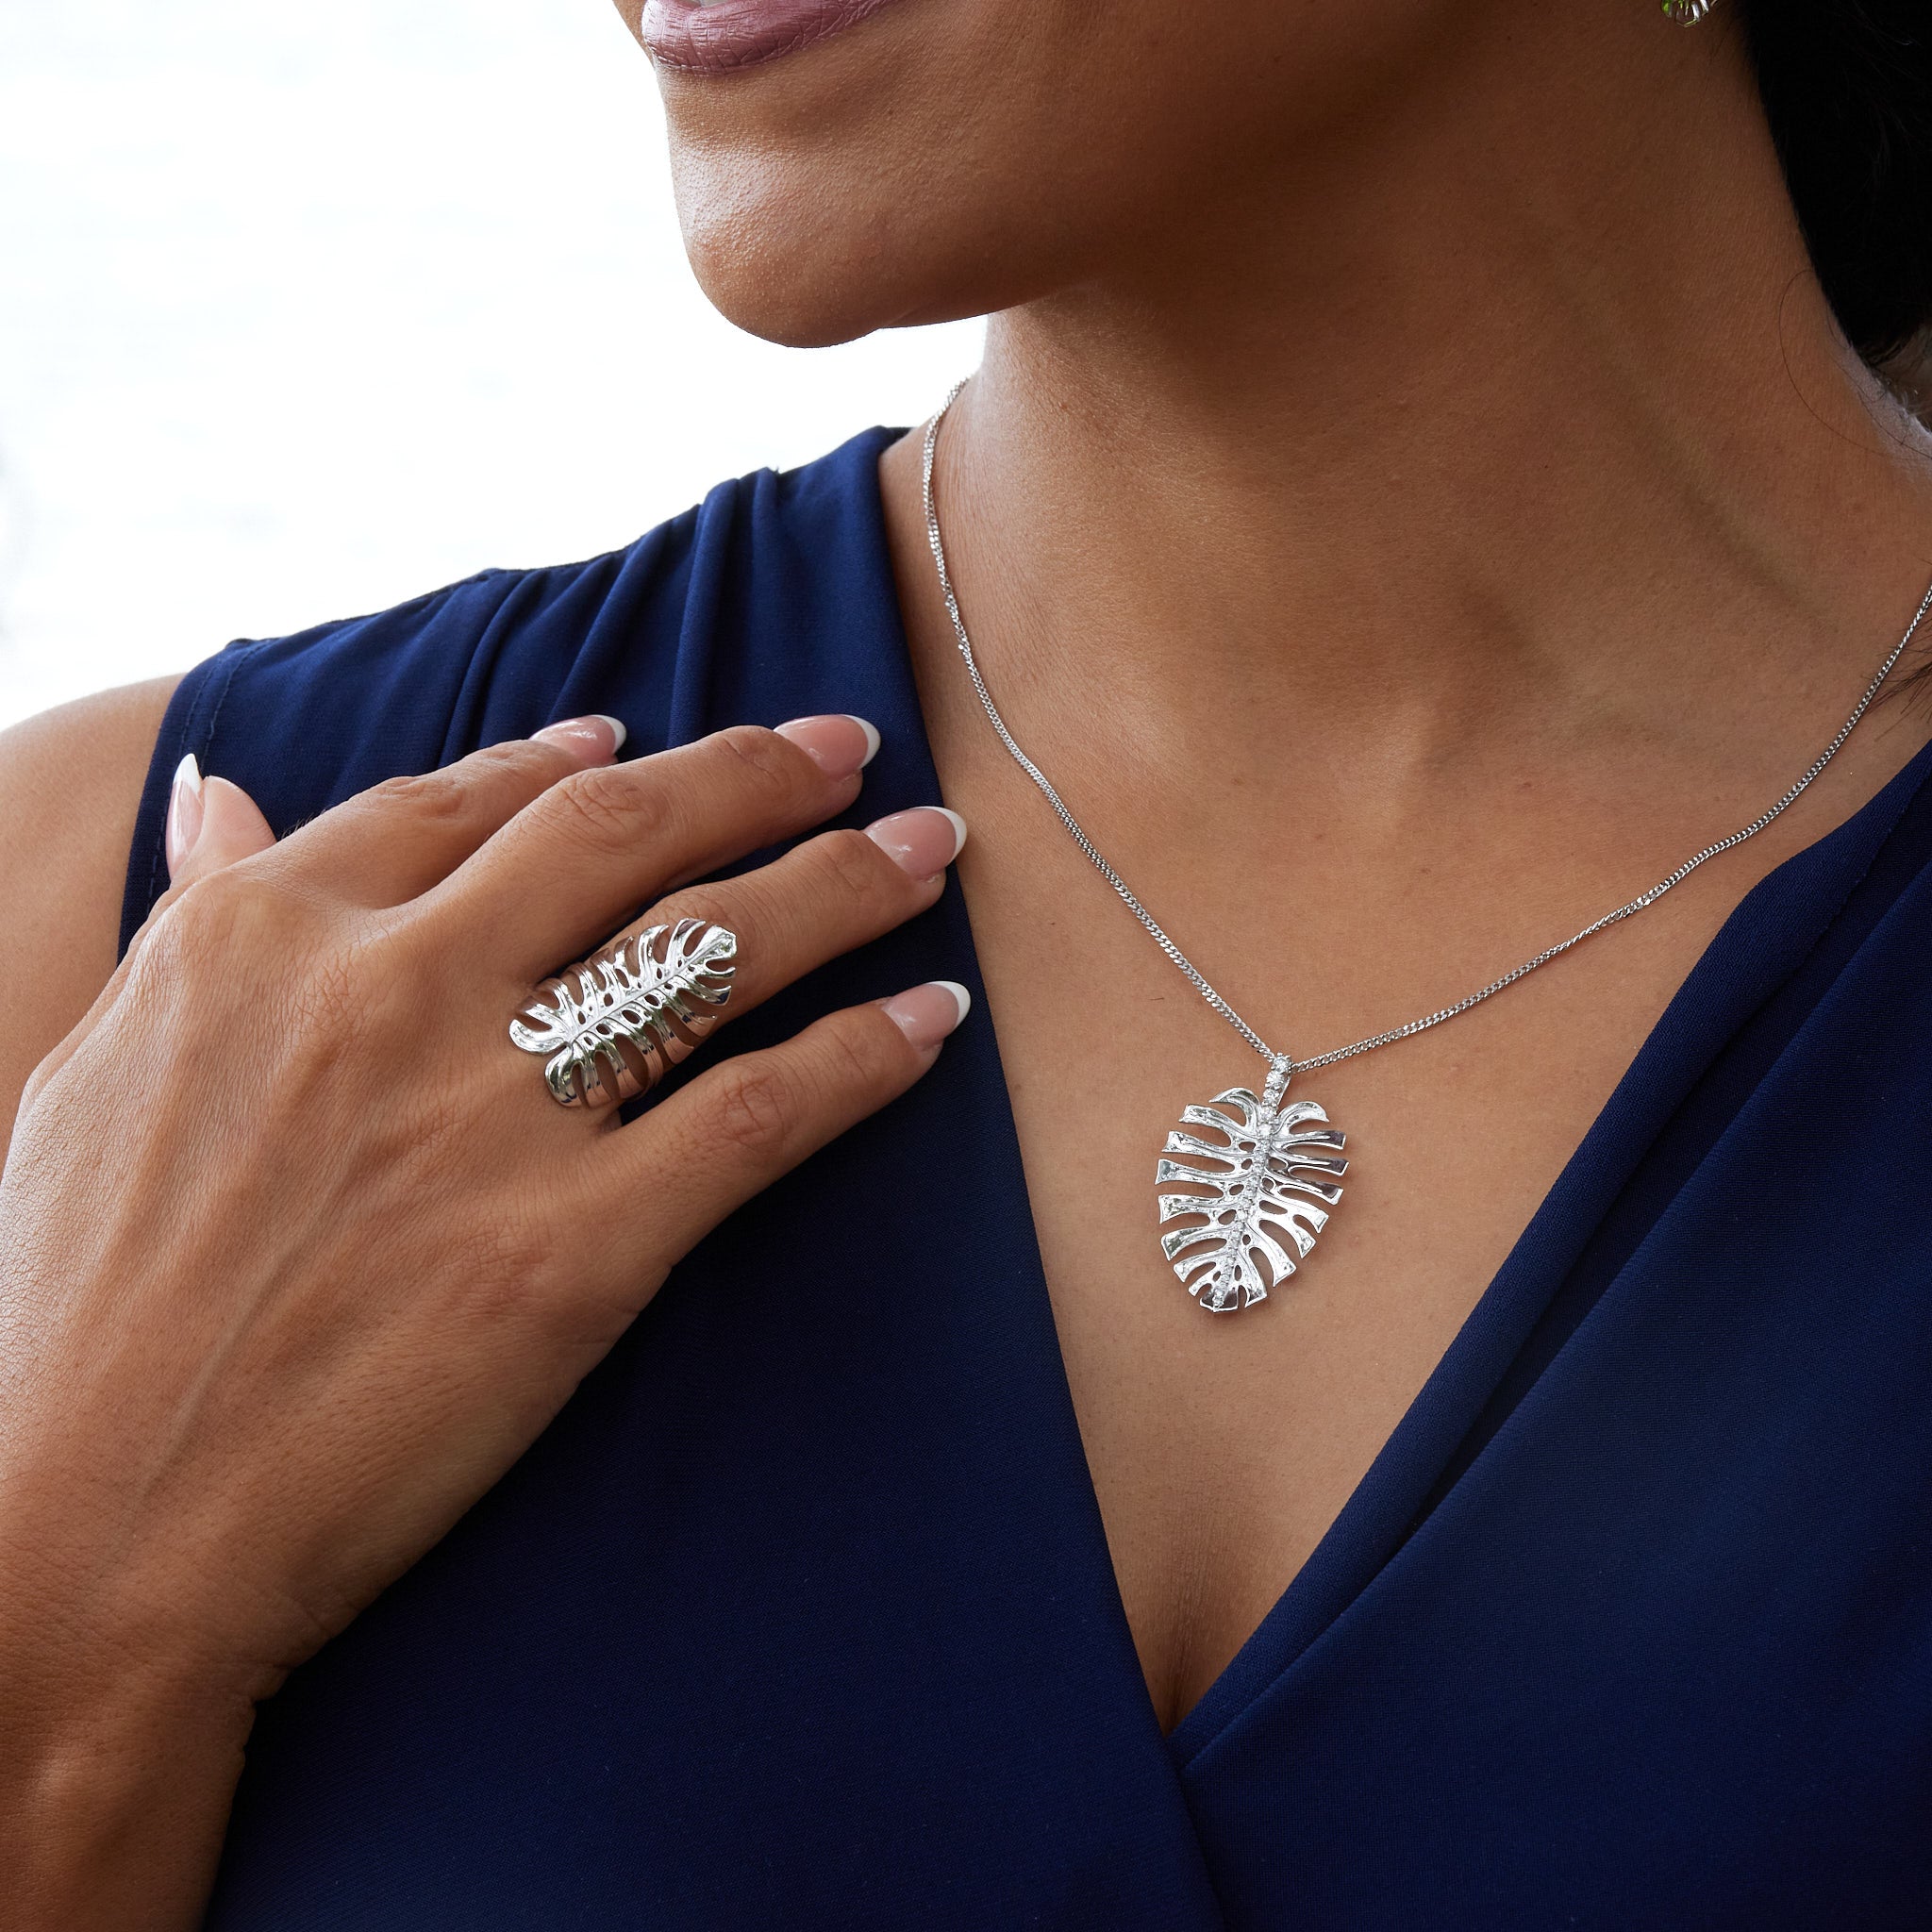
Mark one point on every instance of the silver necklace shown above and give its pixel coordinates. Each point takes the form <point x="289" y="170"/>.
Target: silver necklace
<point x="1267" y="1185"/>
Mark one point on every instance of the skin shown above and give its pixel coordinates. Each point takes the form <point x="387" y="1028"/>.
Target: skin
<point x="226" y="1430"/>
<point x="1429" y="408"/>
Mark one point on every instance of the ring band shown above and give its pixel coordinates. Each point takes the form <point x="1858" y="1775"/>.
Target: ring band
<point x="634" y="1013"/>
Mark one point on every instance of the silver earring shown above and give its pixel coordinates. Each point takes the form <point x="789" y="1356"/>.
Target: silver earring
<point x="1687" y="13"/>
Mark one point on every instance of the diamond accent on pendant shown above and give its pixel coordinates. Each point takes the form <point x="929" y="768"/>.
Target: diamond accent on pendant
<point x="1226" y="1241"/>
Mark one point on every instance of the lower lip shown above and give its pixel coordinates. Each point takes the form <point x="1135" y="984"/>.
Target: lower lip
<point x="742" y="33"/>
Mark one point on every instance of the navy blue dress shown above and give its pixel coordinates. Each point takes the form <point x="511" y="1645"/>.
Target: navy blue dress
<point x="801" y="1615"/>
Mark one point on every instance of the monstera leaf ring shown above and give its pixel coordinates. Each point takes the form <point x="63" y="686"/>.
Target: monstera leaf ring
<point x="615" y="1025"/>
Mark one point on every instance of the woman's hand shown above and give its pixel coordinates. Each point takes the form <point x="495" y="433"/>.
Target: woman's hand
<point x="297" y="1254"/>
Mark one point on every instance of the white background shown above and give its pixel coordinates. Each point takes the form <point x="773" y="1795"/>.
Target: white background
<point x="305" y="310"/>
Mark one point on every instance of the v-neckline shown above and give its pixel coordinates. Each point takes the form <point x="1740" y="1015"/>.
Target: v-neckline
<point x="1766" y="937"/>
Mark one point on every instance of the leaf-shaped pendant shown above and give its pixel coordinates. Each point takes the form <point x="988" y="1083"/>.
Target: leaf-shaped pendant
<point x="1222" y="1241"/>
<point x="635" y="1012"/>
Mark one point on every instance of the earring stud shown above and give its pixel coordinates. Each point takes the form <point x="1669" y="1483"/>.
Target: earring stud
<point x="1687" y="13"/>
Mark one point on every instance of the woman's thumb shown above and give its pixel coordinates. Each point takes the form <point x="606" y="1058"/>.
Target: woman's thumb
<point x="210" y="824"/>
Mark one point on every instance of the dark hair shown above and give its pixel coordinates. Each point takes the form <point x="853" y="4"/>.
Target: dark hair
<point x="1847" y="86"/>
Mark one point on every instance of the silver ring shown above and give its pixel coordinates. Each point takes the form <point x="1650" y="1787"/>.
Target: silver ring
<point x="633" y="1014"/>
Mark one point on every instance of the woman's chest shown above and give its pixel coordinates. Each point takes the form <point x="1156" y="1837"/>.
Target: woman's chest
<point x="1223" y="1446"/>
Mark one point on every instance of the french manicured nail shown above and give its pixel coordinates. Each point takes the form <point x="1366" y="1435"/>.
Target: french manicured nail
<point x="923" y="840"/>
<point x="836" y="742"/>
<point x="595" y="736"/>
<point x="925" y="1014"/>
<point x="184" y="811"/>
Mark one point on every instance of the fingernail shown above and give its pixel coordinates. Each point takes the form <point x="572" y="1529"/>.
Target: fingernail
<point x="836" y="741"/>
<point x="184" y="811"/>
<point x="923" y="840"/>
<point x="925" y="1014"/>
<point x="595" y="736"/>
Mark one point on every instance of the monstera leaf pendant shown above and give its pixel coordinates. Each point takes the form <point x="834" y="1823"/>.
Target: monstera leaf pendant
<point x="1257" y="1191"/>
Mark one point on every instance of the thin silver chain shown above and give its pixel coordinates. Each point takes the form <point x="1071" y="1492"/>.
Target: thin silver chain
<point x="1435" y="1019"/>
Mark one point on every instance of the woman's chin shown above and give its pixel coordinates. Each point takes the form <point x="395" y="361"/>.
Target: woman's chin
<point x="773" y="277"/>
<point x="868" y="178"/>
<point x="798" y="263"/>
<point x="795" y="317"/>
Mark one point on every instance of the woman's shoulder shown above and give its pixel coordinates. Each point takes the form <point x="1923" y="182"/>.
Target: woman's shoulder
<point x="771" y="598"/>
<point x="506" y="650"/>
<point x="662" y="633"/>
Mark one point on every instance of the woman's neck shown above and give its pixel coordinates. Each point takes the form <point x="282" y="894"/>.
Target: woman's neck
<point x="1506" y="419"/>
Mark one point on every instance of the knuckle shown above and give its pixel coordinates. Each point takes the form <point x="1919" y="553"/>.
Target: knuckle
<point x="434" y="796"/>
<point x="507" y="1266"/>
<point x="36" y="1084"/>
<point x="516" y="755"/>
<point x="522" y="764"/>
<point x="758" y="1103"/>
<point x="770" y="760"/>
<point x="175" y="952"/>
<point x="860" y="1056"/>
<point x="209" y="921"/>
<point x="742" y="907"/>
<point x="322" y="1006"/>
<point x="605" y="808"/>
<point x="852" y="865"/>
<point x="255" y="960"/>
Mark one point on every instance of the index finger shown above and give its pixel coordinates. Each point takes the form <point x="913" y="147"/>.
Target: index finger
<point x="582" y="859"/>
<point x="397" y="839"/>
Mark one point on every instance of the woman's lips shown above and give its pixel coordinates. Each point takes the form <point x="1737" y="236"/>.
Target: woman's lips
<point x="740" y="33"/>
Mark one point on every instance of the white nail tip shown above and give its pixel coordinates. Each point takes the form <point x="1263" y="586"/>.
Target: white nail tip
<point x="872" y="736"/>
<point x="958" y="847"/>
<point x="188" y="772"/>
<point x="618" y="729"/>
<point x="961" y="998"/>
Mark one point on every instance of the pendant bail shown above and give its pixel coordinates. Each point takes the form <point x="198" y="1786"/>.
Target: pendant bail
<point x="1280" y="1069"/>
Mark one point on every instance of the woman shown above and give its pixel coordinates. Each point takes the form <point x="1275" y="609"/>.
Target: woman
<point x="1430" y="478"/>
